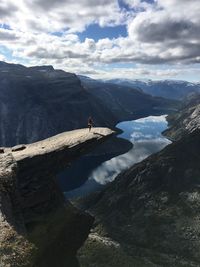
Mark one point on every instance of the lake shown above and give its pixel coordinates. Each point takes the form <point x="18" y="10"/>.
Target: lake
<point x="146" y="136"/>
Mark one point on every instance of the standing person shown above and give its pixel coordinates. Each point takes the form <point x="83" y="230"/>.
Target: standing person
<point x="90" y="123"/>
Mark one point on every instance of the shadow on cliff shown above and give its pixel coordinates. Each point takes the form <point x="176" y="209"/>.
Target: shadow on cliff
<point x="76" y="175"/>
<point x="58" y="236"/>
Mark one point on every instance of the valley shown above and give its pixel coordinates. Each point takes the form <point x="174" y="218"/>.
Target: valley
<point x="151" y="209"/>
<point x="134" y="198"/>
<point x="99" y="133"/>
<point x="89" y="174"/>
<point x="38" y="102"/>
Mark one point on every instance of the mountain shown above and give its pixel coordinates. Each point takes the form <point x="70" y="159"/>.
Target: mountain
<point x="149" y="216"/>
<point x="125" y="102"/>
<point x="38" y="102"/>
<point x="186" y="119"/>
<point x="38" y="226"/>
<point x="172" y="89"/>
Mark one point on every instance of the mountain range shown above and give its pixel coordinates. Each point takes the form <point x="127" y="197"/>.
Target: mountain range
<point x="172" y="89"/>
<point x="149" y="216"/>
<point x="38" y="102"/>
<point x="186" y="120"/>
<point x="127" y="102"/>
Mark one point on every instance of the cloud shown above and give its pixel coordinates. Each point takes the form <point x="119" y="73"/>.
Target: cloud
<point x="152" y="119"/>
<point x="159" y="28"/>
<point x="2" y="57"/>
<point x="59" y="15"/>
<point x="138" y="4"/>
<point x="173" y="36"/>
<point x="158" y="34"/>
<point x="6" y="35"/>
<point x="7" y="9"/>
<point x="147" y="139"/>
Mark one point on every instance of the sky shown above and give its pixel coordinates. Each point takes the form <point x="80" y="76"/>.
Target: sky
<point x="129" y="39"/>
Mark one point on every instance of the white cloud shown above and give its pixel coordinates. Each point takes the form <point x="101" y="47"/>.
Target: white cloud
<point x="6" y="35"/>
<point x="146" y="141"/>
<point x="138" y="4"/>
<point x="2" y="57"/>
<point x="154" y="119"/>
<point x="173" y="36"/>
<point x="57" y="15"/>
<point x="157" y="34"/>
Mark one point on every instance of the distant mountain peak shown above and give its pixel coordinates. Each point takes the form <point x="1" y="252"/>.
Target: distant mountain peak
<point x="43" y="68"/>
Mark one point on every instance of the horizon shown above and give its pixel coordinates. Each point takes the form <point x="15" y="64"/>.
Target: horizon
<point x="129" y="39"/>
<point x="113" y="78"/>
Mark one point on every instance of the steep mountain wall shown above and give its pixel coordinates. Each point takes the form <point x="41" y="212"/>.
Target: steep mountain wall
<point x="39" y="102"/>
<point x="37" y="226"/>
<point x="185" y="120"/>
<point x="126" y="102"/>
<point x="149" y="216"/>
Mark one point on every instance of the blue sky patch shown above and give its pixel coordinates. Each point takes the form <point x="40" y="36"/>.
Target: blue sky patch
<point x="6" y="52"/>
<point x="5" y="26"/>
<point x="96" y="32"/>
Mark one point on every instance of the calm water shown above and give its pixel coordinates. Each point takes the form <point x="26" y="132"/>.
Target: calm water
<point x="145" y="134"/>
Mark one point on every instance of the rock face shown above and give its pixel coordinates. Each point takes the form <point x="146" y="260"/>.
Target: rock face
<point x="14" y="248"/>
<point x="126" y="102"/>
<point x="186" y="120"/>
<point x="151" y="211"/>
<point x="39" y="102"/>
<point x="37" y="226"/>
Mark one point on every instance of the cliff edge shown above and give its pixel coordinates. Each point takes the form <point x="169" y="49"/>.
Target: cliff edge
<point x="185" y="120"/>
<point x="37" y="226"/>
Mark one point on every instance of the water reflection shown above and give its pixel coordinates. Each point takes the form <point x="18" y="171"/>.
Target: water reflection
<point x="146" y="136"/>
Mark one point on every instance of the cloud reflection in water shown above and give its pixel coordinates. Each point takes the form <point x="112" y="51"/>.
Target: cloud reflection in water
<point x="146" y="136"/>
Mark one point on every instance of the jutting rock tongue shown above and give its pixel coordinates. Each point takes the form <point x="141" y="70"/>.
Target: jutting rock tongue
<point x="37" y="226"/>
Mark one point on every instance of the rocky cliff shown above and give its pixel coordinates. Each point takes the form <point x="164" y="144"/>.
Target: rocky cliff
<point x="39" y="102"/>
<point x="149" y="216"/>
<point x="186" y="119"/>
<point x="127" y="103"/>
<point x="37" y="226"/>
